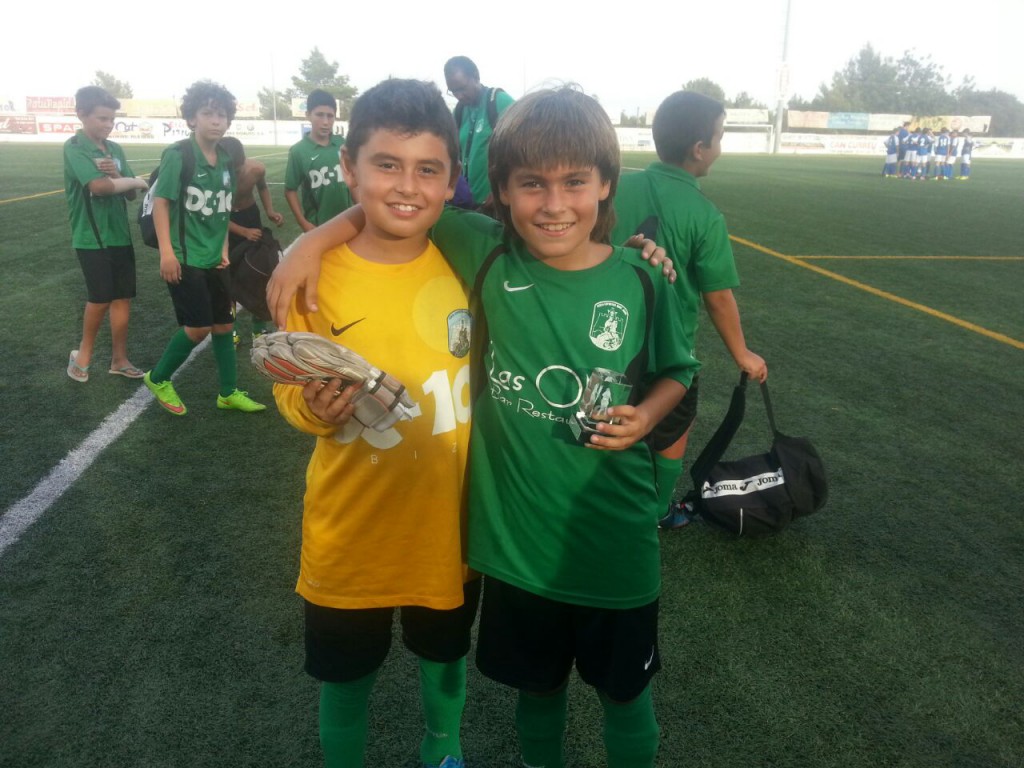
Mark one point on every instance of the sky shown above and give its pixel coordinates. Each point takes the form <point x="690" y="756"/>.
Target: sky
<point x="630" y="57"/>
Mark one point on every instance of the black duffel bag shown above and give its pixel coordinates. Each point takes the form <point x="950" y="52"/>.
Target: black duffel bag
<point x="758" y="494"/>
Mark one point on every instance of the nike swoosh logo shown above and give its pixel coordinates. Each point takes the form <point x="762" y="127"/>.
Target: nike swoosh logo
<point x="314" y="157"/>
<point x="650" y="660"/>
<point x="339" y="331"/>
<point x="200" y="175"/>
<point x="514" y="288"/>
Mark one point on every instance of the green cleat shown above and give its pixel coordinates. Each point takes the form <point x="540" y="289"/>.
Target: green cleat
<point x="165" y="395"/>
<point x="239" y="401"/>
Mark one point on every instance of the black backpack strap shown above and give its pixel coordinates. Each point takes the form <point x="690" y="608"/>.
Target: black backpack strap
<point x="478" y="345"/>
<point x="637" y="367"/>
<point x="719" y="442"/>
<point x="188" y="168"/>
<point x="87" y="198"/>
<point x="492" y="107"/>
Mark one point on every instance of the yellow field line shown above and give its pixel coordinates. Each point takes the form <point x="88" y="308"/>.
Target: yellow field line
<point x="912" y="258"/>
<point x="31" y="197"/>
<point x="883" y="294"/>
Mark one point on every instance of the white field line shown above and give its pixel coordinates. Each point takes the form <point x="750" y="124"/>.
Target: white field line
<point x="20" y="516"/>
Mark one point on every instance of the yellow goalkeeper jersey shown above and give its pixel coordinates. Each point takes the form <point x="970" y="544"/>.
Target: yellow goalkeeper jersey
<point x="384" y="512"/>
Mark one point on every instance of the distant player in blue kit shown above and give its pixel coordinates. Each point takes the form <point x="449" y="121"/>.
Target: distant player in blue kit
<point x="966" y="148"/>
<point x="892" y="150"/>
<point x="902" y="136"/>
<point x="910" y="154"/>
<point x="954" y="150"/>
<point x="941" y="153"/>
<point x="924" y="151"/>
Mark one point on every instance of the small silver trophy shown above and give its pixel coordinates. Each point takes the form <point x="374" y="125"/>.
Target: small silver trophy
<point x="605" y="388"/>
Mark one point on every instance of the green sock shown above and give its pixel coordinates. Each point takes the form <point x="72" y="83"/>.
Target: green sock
<point x="540" y="721"/>
<point x="631" y="732"/>
<point x="443" y="692"/>
<point x="344" y="720"/>
<point x="666" y="473"/>
<point x="175" y="353"/>
<point x="227" y="365"/>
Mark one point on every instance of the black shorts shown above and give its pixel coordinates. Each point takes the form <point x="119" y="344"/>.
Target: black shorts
<point x="345" y="645"/>
<point x="202" y="298"/>
<point x="529" y="642"/>
<point x="109" y="273"/>
<point x="668" y="431"/>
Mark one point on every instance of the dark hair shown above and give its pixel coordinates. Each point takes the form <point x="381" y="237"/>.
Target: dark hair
<point x="682" y="120"/>
<point x="206" y="93"/>
<point x="462" y="64"/>
<point x="404" y="106"/>
<point x="234" y="149"/>
<point x="92" y="96"/>
<point x="549" y="128"/>
<point x="320" y="98"/>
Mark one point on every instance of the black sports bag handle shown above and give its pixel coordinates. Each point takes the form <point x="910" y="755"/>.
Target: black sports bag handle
<point x="719" y="442"/>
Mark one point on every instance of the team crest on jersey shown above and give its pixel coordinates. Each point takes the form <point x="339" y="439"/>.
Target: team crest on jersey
<point x="608" y="325"/>
<point x="460" y="332"/>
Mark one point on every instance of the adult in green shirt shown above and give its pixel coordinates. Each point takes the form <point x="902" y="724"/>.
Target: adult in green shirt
<point x="477" y="112"/>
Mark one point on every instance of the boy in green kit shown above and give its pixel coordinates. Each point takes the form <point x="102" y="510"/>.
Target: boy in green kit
<point x="665" y="203"/>
<point x="314" y="166"/>
<point x="193" y="237"/>
<point x="561" y="521"/>
<point x="97" y="180"/>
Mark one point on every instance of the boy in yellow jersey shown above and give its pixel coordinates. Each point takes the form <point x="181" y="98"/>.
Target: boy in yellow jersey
<point x="391" y="297"/>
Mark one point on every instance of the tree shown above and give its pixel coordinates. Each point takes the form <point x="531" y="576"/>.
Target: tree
<point x="112" y="85"/>
<point x="632" y="121"/>
<point x="1006" y="110"/>
<point x="316" y="72"/>
<point x="866" y="84"/>
<point x="266" y="97"/>
<point x="744" y="100"/>
<point x="707" y="87"/>
<point x="922" y="86"/>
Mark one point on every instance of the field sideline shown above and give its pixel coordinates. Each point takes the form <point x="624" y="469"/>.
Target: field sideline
<point x="147" y="616"/>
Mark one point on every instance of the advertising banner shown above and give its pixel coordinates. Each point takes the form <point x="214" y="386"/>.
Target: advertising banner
<point x="23" y="124"/>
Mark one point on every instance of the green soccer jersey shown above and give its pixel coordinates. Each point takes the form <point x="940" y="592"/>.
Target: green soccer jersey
<point x="207" y="204"/>
<point x="316" y="171"/>
<point x="475" y="125"/>
<point x="104" y="217"/>
<point x="688" y="226"/>
<point x="546" y="514"/>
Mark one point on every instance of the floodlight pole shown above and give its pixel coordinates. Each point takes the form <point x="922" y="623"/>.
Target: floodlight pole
<point x="783" y="85"/>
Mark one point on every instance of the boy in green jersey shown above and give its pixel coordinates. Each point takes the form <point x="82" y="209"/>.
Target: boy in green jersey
<point x="97" y="180"/>
<point x="314" y="166"/>
<point x="564" y="533"/>
<point x="665" y="203"/>
<point x="193" y="237"/>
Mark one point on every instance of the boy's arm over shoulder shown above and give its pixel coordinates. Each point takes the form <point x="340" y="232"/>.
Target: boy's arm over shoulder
<point x="465" y="239"/>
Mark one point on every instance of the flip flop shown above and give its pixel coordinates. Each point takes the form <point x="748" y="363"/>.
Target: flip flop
<point x="76" y="371"/>
<point x="128" y="371"/>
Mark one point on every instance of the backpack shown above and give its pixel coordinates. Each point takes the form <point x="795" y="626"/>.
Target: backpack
<point x="758" y="494"/>
<point x="492" y="109"/>
<point x="188" y="166"/>
<point x="252" y="261"/>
